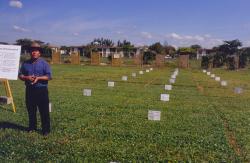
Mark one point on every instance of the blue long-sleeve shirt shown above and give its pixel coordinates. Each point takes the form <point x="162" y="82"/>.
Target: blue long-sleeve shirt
<point x="38" y="68"/>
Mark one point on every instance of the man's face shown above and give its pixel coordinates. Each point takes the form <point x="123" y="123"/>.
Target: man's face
<point x="35" y="53"/>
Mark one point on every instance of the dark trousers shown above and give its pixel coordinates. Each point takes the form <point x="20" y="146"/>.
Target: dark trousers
<point x="38" y="98"/>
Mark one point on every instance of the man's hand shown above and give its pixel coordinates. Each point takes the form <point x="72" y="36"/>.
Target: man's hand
<point x="35" y="80"/>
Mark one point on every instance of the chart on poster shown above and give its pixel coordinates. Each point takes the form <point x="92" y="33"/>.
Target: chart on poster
<point x="9" y="61"/>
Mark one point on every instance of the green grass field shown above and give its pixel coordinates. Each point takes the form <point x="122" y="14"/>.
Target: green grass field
<point x="202" y="121"/>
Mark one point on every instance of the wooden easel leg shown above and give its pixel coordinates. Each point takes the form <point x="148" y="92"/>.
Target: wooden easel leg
<point x="9" y="94"/>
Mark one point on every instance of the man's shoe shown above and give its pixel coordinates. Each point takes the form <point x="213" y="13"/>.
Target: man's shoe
<point x="45" y="133"/>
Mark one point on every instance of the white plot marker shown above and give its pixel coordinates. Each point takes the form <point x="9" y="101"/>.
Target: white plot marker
<point x="238" y="90"/>
<point x="87" y="92"/>
<point x="111" y="84"/>
<point x="223" y="83"/>
<point x="50" y="107"/>
<point x="147" y="70"/>
<point x="140" y="72"/>
<point x="164" y="97"/>
<point x="133" y="74"/>
<point x="168" y="87"/>
<point x="217" y="78"/>
<point x="208" y="73"/>
<point x="124" y="78"/>
<point x="212" y="75"/>
<point x="171" y="81"/>
<point x="154" y="115"/>
<point x="204" y="71"/>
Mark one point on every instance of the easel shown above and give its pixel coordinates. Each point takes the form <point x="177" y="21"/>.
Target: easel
<point x="8" y="92"/>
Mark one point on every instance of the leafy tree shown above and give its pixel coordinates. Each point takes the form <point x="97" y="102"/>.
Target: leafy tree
<point x="102" y="42"/>
<point x="157" y="48"/>
<point x="126" y="46"/>
<point x="25" y="43"/>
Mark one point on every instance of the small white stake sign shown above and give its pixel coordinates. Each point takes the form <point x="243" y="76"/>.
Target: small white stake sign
<point x="168" y="87"/>
<point x="217" y="78"/>
<point x="223" y="83"/>
<point x="133" y="74"/>
<point x="111" y="84"/>
<point x="124" y="78"/>
<point x="164" y="97"/>
<point x="87" y="92"/>
<point x="154" y="115"/>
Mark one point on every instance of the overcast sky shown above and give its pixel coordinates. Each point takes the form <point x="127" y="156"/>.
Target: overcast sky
<point x="143" y="22"/>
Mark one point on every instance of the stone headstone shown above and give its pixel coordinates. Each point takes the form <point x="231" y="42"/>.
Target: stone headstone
<point x="133" y="74"/>
<point x="204" y="71"/>
<point x="124" y="78"/>
<point x="147" y="70"/>
<point x="238" y="90"/>
<point x="154" y="115"/>
<point x="208" y="73"/>
<point x="171" y="81"/>
<point x="164" y="97"/>
<point x="50" y="107"/>
<point x="87" y="92"/>
<point x="223" y="83"/>
<point x="111" y="84"/>
<point x="140" y="72"/>
<point x="217" y="78"/>
<point x="168" y="87"/>
<point x="151" y="69"/>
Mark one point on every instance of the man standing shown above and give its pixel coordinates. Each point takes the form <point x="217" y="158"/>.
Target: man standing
<point x="36" y="73"/>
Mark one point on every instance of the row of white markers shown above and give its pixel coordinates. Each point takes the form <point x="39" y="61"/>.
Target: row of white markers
<point x="156" y="115"/>
<point x="237" y="90"/>
<point x="216" y="78"/>
<point x="88" y="92"/>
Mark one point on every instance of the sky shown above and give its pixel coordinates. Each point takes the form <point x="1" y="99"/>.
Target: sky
<point x="142" y="22"/>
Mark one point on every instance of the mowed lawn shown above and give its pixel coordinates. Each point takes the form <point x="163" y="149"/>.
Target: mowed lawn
<point x="203" y="121"/>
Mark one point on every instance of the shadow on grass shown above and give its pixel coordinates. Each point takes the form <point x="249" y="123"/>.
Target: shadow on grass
<point x="9" y="125"/>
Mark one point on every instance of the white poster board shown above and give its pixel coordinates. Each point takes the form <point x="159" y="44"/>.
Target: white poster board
<point x="9" y="61"/>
